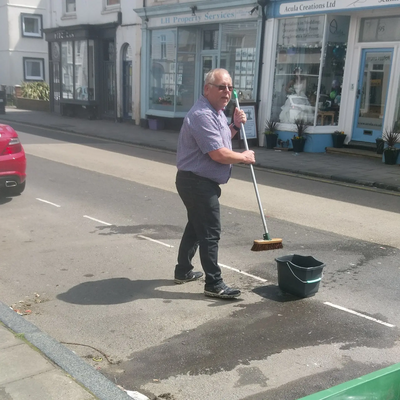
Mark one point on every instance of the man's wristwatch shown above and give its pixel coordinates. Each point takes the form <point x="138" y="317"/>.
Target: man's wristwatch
<point x="235" y="128"/>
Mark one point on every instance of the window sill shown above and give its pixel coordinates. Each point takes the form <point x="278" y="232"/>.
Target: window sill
<point x="111" y="9"/>
<point x="68" y="16"/>
<point x="24" y="35"/>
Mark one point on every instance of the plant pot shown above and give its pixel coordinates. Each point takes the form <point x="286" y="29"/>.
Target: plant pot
<point x="390" y="156"/>
<point x="380" y="144"/>
<point x="338" y="140"/>
<point x="271" y="140"/>
<point x="298" y="145"/>
<point x="156" y="124"/>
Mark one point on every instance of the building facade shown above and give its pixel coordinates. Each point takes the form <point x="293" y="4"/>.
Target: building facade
<point x="94" y="58"/>
<point x="334" y="64"/>
<point x="23" y="50"/>
<point x="182" y="41"/>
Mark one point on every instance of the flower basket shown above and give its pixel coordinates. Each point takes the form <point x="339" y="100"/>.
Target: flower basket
<point x="338" y="140"/>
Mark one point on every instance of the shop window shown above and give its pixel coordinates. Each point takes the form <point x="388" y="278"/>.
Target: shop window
<point x="163" y="69"/>
<point x="163" y="50"/>
<point x="81" y="70"/>
<point x="174" y="62"/>
<point x="33" y="69"/>
<point x="77" y="70"/>
<point x="396" y="124"/>
<point x="308" y="78"/>
<point x="91" y="71"/>
<point x="210" y="38"/>
<point x="31" y="25"/>
<point x="67" y="70"/>
<point x="330" y="90"/>
<point x="186" y="65"/>
<point x="384" y="29"/>
<point x="238" y="56"/>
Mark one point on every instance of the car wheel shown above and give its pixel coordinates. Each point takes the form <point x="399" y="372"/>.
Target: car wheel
<point x="16" y="190"/>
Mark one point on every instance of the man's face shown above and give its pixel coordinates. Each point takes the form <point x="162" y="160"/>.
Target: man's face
<point x="218" y="98"/>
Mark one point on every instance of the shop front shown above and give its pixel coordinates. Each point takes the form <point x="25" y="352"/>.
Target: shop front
<point x="181" y="43"/>
<point x="82" y="70"/>
<point x="332" y="64"/>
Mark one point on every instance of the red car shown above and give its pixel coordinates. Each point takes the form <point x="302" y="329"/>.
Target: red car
<point x="12" y="162"/>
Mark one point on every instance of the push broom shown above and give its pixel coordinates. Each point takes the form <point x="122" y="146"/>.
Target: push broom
<point x="267" y="243"/>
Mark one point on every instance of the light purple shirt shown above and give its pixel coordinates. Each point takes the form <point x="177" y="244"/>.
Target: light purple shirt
<point x="204" y="130"/>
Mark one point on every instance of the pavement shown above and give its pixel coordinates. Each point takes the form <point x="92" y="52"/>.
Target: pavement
<point x="35" y="366"/>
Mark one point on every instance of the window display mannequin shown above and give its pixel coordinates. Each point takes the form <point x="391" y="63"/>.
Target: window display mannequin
<point x="296" y="105"/>
<point x="297" y="85"/>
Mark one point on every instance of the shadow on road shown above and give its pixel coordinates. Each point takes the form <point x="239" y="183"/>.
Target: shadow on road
<point x="123" y="290"/>
<point x="274" y="293"/>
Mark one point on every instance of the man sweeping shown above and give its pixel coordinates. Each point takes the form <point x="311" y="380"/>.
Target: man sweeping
<point x="204" y="161"/>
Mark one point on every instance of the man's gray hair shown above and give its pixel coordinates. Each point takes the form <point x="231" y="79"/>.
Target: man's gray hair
<point x="210" y="77"/>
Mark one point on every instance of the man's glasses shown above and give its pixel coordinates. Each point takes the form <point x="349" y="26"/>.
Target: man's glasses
<point x="222" y="87"/>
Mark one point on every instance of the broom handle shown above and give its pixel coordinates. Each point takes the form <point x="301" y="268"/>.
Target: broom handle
<point x="266" y="236"/>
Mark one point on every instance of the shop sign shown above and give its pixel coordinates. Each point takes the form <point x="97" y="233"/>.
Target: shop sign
<point x="201" y="17"/>
<point x="61" y="35"/>
<point x="303" y="7"/>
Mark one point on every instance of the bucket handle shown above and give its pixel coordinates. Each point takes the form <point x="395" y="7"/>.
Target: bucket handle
<point x="312" y="281"/>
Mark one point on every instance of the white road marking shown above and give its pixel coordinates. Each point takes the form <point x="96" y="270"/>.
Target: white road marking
<point x="243" y="273"/>
<point x="97" y="220"/>
<point x="155" y="241"/>
<point x="339" y="217"/>
<point x="48" y="202"/>
<point x="359" y="314"/>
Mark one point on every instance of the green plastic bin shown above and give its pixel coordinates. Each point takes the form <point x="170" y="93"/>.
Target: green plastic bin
<point x="383" y="384"/>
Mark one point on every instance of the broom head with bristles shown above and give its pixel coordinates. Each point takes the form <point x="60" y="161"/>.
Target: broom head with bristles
<point x="271" y="244"/>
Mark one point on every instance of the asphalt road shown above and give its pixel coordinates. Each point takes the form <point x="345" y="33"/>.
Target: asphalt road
<point x="91" y="248"/>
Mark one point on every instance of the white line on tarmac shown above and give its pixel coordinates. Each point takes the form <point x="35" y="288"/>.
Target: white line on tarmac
<point x="243" y="273"/>
<point x="48" y="202"/>
<point x="97" y="220"/>
<point x="359" y="314"/>
<point x="155" y="241"/>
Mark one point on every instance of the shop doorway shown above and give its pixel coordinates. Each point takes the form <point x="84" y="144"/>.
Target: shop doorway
<point x="372" y="93"/>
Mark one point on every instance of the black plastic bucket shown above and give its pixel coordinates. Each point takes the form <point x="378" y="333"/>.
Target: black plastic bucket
<point x="299" y="275"/>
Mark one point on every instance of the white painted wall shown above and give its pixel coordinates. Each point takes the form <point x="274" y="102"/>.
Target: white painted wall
<point x="95" y="12"/>
<point x="130" y="32"/>
<point x="13" y="46"/>
<point x="87" y="12"/>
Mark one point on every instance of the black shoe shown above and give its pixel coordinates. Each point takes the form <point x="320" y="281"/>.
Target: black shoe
<point x="222" y="291"/>
<point x="192" y="277"/>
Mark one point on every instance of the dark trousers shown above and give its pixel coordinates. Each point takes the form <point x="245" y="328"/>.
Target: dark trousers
<point x="203" y="229"/>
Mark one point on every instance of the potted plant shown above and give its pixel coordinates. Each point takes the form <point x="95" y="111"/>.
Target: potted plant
<point x="33" y="96"/>
<point x="271" y="137"/>
<point x="338" y="138"/>
<point x="299" y="140"/>
<point x="391" y="152"/>
<point x="166" y="100"/>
